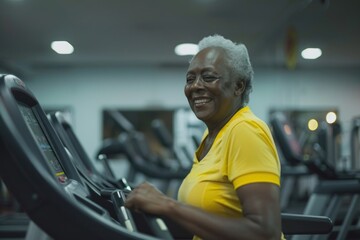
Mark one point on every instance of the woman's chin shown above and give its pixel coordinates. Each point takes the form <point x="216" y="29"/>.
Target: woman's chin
<point x="202" y="115"/>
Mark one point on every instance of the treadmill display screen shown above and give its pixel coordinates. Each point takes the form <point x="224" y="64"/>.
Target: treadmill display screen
<point x="42" y="141"/>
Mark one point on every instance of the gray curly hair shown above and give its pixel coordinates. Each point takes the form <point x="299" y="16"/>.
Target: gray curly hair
<point x="239" y="60"/>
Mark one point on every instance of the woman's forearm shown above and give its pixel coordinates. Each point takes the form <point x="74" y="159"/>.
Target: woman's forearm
<point x="211" y="226"/>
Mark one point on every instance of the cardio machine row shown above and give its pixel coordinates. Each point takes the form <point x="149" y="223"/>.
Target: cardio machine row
<point x="63" y="194"/>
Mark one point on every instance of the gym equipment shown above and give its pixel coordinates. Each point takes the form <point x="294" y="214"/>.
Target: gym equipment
<point x="134" y="146"/>
<point x="67" y="136"/>
<point x="180" y="153"/>
<point x="334" y="191"/>
<point x="61" y="200"/>
<point x="42" y="177"/>
<point x="106" y="183"/>
<point x="355" y="144"/>
<point x="139" y="139"/>
<point x="290" y="148"/>
<point x="13" y="221"/>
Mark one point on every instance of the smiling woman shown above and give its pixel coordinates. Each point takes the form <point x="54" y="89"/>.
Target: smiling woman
<point x="232" y="190"/>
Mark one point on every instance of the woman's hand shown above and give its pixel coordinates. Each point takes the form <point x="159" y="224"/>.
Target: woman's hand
<point x="147" y="198"/>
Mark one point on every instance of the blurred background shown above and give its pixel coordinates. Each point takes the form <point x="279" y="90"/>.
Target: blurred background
<point x="123" y="57"/>
<point x="111" y="67"/>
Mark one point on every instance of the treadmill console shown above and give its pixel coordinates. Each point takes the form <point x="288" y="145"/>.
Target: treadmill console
<point x="42" y="141"/>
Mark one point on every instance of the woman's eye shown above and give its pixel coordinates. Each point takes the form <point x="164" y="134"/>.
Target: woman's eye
<point x="190" y="79"/>
<point x="209" y="78"/>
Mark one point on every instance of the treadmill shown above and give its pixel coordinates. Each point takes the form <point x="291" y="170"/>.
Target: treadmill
<point x="105" y="185"/>
<point x="335" y="190"/>
<point x="47" y="183"/>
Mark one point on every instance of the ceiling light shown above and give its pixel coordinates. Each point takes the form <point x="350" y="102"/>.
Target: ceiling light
<point x="62" y="47"/>
<point x="186" y="49"/>
<point x="311" y="53"/>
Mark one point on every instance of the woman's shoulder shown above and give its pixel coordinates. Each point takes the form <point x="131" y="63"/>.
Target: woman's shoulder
<point x="245" y="117"/>
<point x="246" y="120"/>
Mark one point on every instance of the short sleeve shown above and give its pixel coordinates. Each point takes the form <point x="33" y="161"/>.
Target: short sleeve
<point x="251" y="154"/>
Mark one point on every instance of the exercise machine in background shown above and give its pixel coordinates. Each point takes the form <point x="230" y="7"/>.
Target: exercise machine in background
<point x="336" y="195"/>
<point x="164" y="171"/>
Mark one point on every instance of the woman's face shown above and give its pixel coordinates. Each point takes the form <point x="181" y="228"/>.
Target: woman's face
<point x="210" y="88"/>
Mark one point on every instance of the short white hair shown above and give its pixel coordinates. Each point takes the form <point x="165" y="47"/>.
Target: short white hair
<point x="238" y="57"/>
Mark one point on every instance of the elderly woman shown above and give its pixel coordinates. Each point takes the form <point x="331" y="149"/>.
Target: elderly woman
<point x="232" y="190"/>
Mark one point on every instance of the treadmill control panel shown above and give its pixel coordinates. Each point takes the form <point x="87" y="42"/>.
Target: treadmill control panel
<point x="42" y="141"/>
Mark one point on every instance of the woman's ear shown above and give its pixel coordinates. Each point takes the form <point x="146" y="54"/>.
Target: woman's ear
<point x="239" y="88"/>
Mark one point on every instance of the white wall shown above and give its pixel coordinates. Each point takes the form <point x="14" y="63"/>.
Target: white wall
<point x="88" y="91"/>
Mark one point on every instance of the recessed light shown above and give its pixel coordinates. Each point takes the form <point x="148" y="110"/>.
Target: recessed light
<point x="62" y="47"/>
<point x="311" y="53"/>
<point x="186" y="49"/>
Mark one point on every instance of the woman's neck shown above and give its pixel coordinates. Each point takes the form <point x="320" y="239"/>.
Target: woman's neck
<point x="214" y="128"/>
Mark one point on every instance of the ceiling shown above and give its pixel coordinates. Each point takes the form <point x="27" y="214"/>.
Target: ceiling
<point x="144" y="33"/>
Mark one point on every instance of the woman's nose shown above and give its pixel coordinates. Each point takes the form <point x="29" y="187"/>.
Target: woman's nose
<point x="198" y="82"/>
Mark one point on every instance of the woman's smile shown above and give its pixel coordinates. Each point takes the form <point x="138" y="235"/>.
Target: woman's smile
<point x="201" y="101"/>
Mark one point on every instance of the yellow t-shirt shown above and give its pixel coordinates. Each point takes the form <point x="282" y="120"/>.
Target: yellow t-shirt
<point x="243" y="152"/>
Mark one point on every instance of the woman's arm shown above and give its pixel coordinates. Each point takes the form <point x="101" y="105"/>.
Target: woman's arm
<point x="260" y="204"/>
